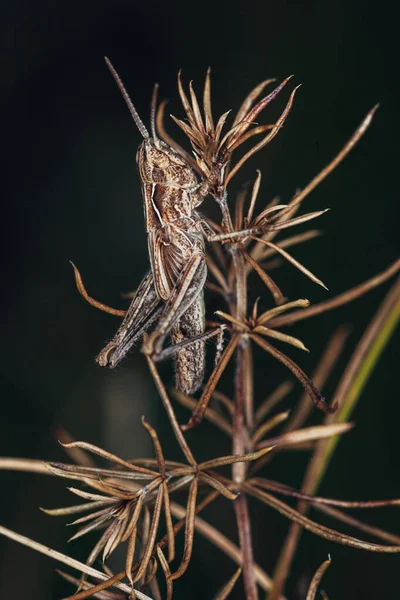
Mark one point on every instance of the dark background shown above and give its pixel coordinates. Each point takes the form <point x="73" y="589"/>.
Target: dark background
<point x="70" y="191"/>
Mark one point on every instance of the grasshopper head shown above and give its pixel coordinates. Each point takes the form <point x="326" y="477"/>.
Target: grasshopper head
<point x="157" y="154"/>
<point x="157" y="161"/>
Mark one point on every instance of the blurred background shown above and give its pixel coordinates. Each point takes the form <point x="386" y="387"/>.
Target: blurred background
<point x="70" y="191"/>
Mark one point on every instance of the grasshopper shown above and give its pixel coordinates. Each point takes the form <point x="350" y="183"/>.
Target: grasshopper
<point x="170" y="297"/>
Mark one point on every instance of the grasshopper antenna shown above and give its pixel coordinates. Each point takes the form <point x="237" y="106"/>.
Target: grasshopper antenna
<point x="139" y="123"/>
<point x="153" y="110"/>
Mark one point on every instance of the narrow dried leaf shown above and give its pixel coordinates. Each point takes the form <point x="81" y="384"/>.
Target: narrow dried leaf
<point x="228" y="587"/>
<point x="248" y="118"/>
<point x="377" y="532"/>
<point x="253" y="132"/>
<point x="82" y="290"/>
<point x="239" y="204"/>
<point x="307" y="434"/>
<point x="98" y="548"/>
<point x="167" y="572"/>
<point x="189" y="530"/>
<point x="157" y="447"/>
<point x="152" y="536"/>
<point x="312" y="590"/>
<point x="78" y="508"/>
<point x="293" y="261"/>
<point x="324" y="367"/>
<point x="268" y="138"/>
<point x="151" y="573"/>
<point x="134" y="519"/>
<point x="90" y="495"/>
<point x="218" y="485"/>
<point x="130" y="555"/>
<point x="273" y="312"/>
<point x="108" y="456"/>
<point x="230" y="133"/>
<point x="296" y="220"/>
<point x="230" y="460"/>
<point x="207" y="104"/>
<point x="262" y="219"/>
<point x="239" y="324"/>
<point x="321" y="530"/>
<point x="224" y="400"/>
<point x="217" y="273"/>
<point x="185" y="102"/>
<point x="113" y="540"/>
<point x="261" y="253"/>
<point x="91" y="475"/>
<point x="271" y="285"/>
<point x="254" y="194"/>
<point x="306" y="382"/>
<point x="91" y="527"/>
<point x="287" y="490"/>
<point x="220" y="125"/>
<point x="283" y="337"/>
<point x="196" y="112"/>
<point x="192" y="134"/>
<point x="268" y="425"/>
<point x="250" y="99"/>
<point x="94" y="515"/>
<point x="101" y="595"/>
<point x="168" y="522"/>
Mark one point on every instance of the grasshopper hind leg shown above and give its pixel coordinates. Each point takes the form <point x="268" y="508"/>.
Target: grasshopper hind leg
<point x="190" y="361"/>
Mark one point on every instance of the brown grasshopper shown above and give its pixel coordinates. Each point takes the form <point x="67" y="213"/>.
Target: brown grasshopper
<point x="171" y="294"/>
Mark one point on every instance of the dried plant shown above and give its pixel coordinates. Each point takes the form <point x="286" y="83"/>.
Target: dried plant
<point x="132" y="502"/>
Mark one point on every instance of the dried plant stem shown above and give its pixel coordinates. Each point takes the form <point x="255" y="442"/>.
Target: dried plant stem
<point x="246" y="545"/>
<point x="243" y="406"/>
<point x="71" y="562"/>
<point x="30" y="465"/>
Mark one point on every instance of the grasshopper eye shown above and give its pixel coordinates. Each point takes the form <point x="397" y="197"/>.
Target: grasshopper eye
<point x="158" y="158"/>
